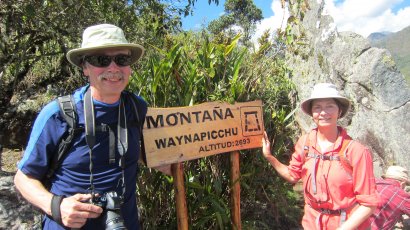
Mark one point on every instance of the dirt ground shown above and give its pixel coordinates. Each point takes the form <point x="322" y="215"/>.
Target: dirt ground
<point x="9" y="159"/>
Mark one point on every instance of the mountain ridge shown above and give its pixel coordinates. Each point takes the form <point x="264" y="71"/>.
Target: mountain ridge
<point x="398" y="44"/>
<point x="373" y="37"/>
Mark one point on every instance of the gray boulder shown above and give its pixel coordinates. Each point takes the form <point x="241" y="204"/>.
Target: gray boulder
<point x="368" y="76"/>
<point x="15" y="212"/>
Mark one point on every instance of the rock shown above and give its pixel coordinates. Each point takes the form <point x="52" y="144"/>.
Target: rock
<point x="368" y="76"/>
<point x="15" y="212"/>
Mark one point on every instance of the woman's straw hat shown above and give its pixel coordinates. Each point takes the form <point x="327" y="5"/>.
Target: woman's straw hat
<point x="325" y="90"/>
<point x="398" y="173"/>
<point x="103" y="36"/>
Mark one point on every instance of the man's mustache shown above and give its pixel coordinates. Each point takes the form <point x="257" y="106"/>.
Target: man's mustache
<point x="109" y="76"/>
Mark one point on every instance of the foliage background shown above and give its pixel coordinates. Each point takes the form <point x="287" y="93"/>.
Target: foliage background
<point x="180" y="68"/>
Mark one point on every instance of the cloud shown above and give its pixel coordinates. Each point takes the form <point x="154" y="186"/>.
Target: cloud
<point x="278" y="20"/>
<point x="367" y="16"/>
<point x="363" y="17"/>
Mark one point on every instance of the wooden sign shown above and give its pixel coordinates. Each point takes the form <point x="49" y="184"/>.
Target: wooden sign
<point x="184" y="133"/>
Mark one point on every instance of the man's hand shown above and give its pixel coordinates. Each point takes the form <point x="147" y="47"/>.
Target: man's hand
<point x="75" y="210"/>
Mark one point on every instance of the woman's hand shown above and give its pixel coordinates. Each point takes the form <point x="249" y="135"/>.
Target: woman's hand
<point x="279" y="167"/>
<point x="266" y="145"/>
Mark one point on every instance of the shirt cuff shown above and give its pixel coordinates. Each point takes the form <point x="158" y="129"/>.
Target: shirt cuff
<point x="368" y="200"/>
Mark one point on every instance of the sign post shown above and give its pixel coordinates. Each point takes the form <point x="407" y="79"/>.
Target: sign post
<point x="175" y="135"/>
<point x="177" y="170"/>
<point x="235" y="191"/>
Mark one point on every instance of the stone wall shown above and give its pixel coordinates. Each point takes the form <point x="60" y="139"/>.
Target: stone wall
<point x="368" y="76"/>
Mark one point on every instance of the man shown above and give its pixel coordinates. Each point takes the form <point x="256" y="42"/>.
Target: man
<point x="102" y="162"/>
<point x="394" y="201"/>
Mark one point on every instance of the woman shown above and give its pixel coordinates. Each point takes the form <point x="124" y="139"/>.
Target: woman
<point x="337" y="172"/>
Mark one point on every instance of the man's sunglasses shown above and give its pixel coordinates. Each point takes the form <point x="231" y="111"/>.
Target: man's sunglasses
<point x="105" y="60"/>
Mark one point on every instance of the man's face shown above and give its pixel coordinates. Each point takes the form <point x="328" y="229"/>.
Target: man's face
<point x="108" y="82"/>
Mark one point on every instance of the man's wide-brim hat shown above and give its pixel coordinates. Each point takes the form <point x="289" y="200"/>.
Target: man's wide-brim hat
<point x="398" y="173"/>
<point x="323" y="91"/>
<point x="100" y="37"/>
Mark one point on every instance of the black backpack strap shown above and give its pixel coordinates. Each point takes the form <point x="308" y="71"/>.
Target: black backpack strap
<point x="135" y="104"/>
<point x="68" y="111"/>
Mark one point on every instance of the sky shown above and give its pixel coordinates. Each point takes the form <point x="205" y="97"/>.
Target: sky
<point x="360" y="16"/>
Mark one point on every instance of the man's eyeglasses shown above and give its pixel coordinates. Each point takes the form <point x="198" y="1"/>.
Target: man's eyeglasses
<point x="105" y="60"/>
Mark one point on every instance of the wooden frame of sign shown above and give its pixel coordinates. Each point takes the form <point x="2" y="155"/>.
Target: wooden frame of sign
<point x="175" y="135"/>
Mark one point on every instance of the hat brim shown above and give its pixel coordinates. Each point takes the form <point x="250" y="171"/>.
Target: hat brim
<point x="307" y="108"/>
<point x="75" y="56"/>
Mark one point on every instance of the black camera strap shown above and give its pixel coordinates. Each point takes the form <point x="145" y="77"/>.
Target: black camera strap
<point x="122" y="137"/>
<point x="122" y="141"/>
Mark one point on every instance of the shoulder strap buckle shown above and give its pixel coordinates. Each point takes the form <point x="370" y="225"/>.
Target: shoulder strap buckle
<point x="342" y="156"/>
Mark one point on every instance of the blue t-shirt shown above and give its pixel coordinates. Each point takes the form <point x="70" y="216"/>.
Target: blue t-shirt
<point x="73" y="175"/>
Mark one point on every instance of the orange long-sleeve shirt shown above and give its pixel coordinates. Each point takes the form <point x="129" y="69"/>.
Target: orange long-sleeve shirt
<point x="336" y="188"/>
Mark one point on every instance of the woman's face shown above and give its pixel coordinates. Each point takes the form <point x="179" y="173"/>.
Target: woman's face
<point x="325" y="112"/>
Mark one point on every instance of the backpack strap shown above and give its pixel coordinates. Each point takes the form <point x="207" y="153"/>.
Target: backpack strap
<point x="343" y="156"/>
<point x="135" y="103"/>
<point x="68" y="111"/>
<point x="305" y="148"/>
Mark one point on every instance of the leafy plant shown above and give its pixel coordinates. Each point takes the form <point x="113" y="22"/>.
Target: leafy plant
<point x="198" y="67"/>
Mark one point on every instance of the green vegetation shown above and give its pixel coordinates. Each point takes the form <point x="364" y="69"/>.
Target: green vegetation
<point x="195" y="68"/>
<point x="241" y="13"/>
<point x="179" y="69"/>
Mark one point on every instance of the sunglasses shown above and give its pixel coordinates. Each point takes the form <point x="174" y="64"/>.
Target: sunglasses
<point x="105" y="60"/>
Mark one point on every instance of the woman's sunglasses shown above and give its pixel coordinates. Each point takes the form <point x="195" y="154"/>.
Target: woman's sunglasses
<point x="105" y="60"/>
